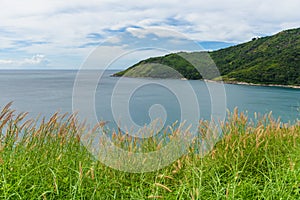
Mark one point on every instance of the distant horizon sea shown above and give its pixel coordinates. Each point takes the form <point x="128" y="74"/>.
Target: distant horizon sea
<point x="43" y="92"/>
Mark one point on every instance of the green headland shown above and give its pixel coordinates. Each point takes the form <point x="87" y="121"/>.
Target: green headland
<point x="266" y="60"/>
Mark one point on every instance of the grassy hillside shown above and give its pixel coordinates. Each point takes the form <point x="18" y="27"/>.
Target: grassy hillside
<point x="268" y="60"/>
<point x="156" y="67"/>
<point x="48" y="161"/>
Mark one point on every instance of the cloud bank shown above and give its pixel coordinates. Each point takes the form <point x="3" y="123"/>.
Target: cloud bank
<point x="27" y="62"/>
<point x="67" y="31"/>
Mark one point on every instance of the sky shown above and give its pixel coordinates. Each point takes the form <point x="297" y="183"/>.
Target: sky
<point x="56" y="34"/>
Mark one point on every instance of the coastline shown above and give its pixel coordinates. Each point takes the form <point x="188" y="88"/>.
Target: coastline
<point x="253" y="84"/>
<point x="229" y="82"/>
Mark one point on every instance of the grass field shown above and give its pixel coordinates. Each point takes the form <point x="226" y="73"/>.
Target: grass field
<point x="46" y="160"/>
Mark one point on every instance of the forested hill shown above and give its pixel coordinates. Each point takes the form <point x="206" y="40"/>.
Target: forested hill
<point x="267" y="60"/>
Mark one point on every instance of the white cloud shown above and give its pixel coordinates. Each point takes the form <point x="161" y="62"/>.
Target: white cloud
<point x="6" y="61"/>
<point x="34" y="60"/>
<point x="64" y="25"/>
<point x="37" y="59"/>
<point x="164" y="32"/>
<point x="137" y="32"/>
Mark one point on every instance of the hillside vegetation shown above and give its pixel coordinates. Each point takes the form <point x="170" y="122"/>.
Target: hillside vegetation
<point x="267" y="60"/>
<point x="48" y="161"/>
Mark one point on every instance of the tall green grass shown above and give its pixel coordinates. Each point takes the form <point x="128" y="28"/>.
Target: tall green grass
<point x="46" y="160"/>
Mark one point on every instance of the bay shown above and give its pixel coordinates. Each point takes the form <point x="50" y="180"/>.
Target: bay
<point x="43" y="92"/>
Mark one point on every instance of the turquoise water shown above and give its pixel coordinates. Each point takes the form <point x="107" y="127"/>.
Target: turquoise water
<point x="45" y="92"/>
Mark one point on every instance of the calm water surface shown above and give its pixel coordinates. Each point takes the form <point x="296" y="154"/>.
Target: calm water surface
<point x="45" y="92"/>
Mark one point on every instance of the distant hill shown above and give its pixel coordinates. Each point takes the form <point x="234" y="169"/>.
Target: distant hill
<point x="267" y="60"/>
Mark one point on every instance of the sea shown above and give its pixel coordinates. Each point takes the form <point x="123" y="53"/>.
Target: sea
<point x="137" y="101"/>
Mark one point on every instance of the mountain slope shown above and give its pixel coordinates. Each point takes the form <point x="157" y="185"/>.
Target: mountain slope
<point x="268" y="60"/>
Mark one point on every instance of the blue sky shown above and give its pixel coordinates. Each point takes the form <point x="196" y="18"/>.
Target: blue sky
<point x="55" y="34"/>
